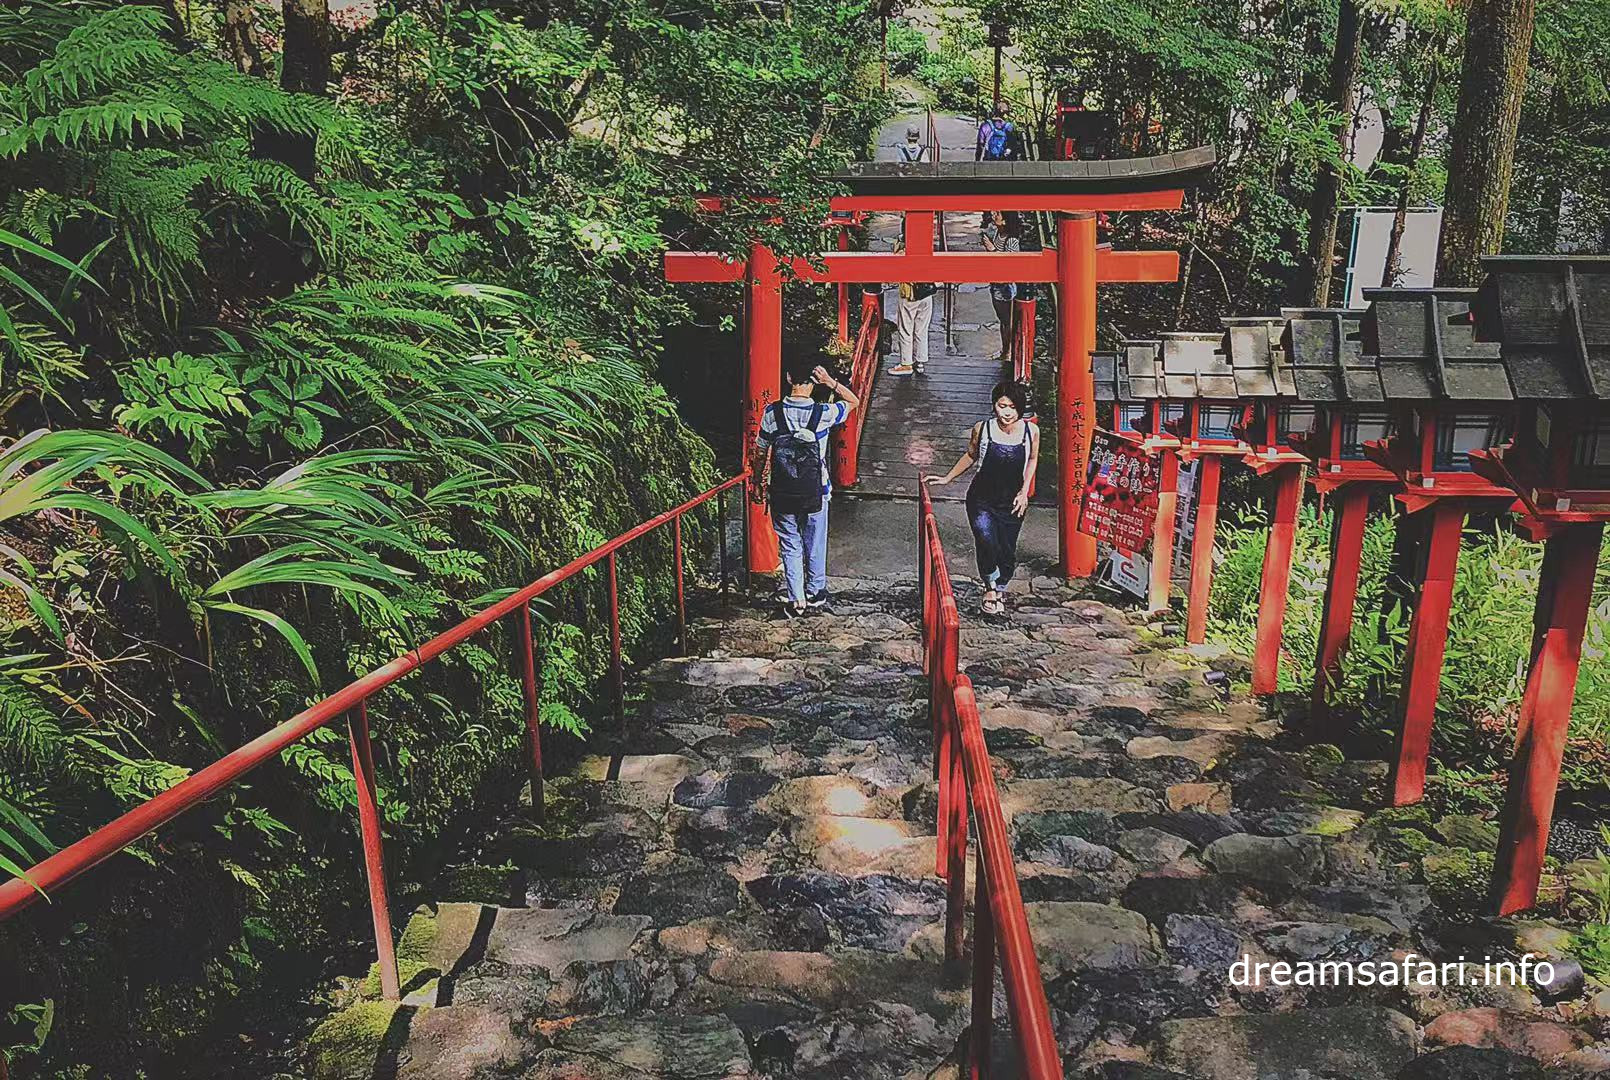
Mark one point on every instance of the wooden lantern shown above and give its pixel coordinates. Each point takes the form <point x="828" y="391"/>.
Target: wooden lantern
<point x="1550" y="318"/>
<point x="1458" y="399"/>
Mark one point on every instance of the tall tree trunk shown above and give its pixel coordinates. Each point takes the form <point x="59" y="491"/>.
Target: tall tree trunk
<point x="1400" y="220"/>
<point x="304" y="68"/>
<point x="240" y="31"/>
<point x="1498" y="39"/>
<point x="1551" y="186"/>
<point x="1322" y="210"/>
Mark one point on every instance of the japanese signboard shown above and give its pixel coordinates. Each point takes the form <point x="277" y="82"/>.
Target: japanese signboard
<point x="1119" y="505"/>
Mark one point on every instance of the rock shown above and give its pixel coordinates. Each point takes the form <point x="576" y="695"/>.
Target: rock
<point x="657" y="1047"/>
<point x="460" y="1042"/>
<point x="1031" y="721"/>
<point x="1466" y="831"/>
<point x="1565" y="981"/>
<point x="1317" y="820"/>
<point x="709" y="789"/>
<point x="1095" y="826"/>
<point x="1599" y="1005"/>
<point x="876" y="911"/>
<point x="1074" y="936"/>
<point x="656" y="776"/>
<point x="459" y="935"/>
<point x="670" y="898"/>
<point x="837" y="795"/>
<point x="1282" y="860"/>
<point x="1203" y="942"/>
<point x="1593" y="1062"/>
<point x="1203" y="749"/>
<point x="1489" y="1027"/>
<point x="1472" y="1063"/>
<point x="1153" y="847"/>
<point x="856" y="845"/>
<point x="1208" y="798"/>
<point x="1070" y="852"/>
<point x="1317" y="941"/>
<point x="1354" y="1042"/>
<point x="1130" y="1070"/>
<point x="1074" y="793"/>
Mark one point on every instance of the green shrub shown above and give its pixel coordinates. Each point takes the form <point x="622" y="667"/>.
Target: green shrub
<point x="1489" y="639"/>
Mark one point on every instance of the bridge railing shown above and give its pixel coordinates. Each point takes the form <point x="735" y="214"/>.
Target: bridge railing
<point x="351" y="702"/>
<point x="966" y="780"/>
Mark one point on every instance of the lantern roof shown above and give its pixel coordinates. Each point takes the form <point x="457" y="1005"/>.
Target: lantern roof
<point x="1193" y="367"/>
<point x="1424" y="342"/>
<point x="1129" y="374"/>
<point x="1550" y="315"/>
<point x="1258" y="356"/>
<point x="1328" y="363"/>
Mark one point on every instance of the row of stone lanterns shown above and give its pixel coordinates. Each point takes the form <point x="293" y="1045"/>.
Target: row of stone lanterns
<point x="1453" y="401"/>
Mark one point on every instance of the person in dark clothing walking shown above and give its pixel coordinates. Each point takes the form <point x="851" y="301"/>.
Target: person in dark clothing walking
<point x="1006" y="448"/>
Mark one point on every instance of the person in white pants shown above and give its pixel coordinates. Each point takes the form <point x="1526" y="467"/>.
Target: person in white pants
<point x="911" y="327"/>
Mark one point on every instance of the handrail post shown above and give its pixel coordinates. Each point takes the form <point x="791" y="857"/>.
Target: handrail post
<point x="533" y="712"/>
<point x="721" y="519"/>
<point x="681" y="599"/>
<point x="617" y="677"/>
<point x="978" y="1039"/>
<point x="374" y="857"/>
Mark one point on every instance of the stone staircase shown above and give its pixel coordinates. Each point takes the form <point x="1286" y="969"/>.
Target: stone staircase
<point x="753" y="895"/>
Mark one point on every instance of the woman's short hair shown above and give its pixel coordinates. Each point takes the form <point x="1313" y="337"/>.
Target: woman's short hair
<point x="1015" y="391"/>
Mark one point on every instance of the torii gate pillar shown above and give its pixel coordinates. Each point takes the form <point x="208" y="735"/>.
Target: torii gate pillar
<point x="1076" y="387"/>
<point x="762" y="385"/>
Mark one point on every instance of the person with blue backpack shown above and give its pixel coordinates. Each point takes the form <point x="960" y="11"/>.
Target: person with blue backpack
<point x="997" y="136"/>
<point x="792" y="449"/>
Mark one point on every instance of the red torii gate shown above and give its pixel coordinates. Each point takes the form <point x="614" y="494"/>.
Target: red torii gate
<point x="1074" y="190"/>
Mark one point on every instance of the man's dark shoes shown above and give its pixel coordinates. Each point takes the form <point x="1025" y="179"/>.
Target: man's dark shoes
<point x="788" y="612"/>
<point x="821" y="602"/>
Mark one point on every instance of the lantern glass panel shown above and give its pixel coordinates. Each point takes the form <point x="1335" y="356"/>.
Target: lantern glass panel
<point x="1218" y="421"/>
<point x="1459" y="434"/>
<point x="1294" y="420"/>
<point x="1593" y="445"/>
<point x="1361" y="427"/>
<point x="1173" y="410"/>
<point x="1132" y="417"/>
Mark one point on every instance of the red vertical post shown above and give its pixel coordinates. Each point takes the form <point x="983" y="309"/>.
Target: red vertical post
<point x="1428" y="638"/>
<point x="681" y="596"/>
<point x="533" y="711"/>
<point x="978" y="1038"/>
<point x="844" y="294"/>
<point x="763" y="376"/>
<point x="374" y="856"/>
<point x="1168" y="500"/>
<point x="1076" y="388"/>
<point x="1565" y="593"/>
<point x="616" y="676"/>
<point x="1341" y="589"/>
<point x="1276" y="579"/>
<point x="920" y="232"/>
<point x="1207" y="520"/>
<point x="1023" y="354"/>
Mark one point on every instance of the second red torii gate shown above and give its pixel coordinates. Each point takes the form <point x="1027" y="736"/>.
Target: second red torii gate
<point x="1075" y="191"/>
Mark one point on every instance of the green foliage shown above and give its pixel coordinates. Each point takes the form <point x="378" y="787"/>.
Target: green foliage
<point x="264" y="428"/>
<point x="1484" y="669"/>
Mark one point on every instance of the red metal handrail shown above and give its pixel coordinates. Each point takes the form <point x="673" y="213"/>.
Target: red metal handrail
<point x="351" y="700"/>
<point x="961" y="761"/>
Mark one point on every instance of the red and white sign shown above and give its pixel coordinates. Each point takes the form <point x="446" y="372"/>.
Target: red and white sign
<point x="1119" y="505"/>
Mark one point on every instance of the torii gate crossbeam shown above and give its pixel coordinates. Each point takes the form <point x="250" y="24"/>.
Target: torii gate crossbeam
<point x="1076" y="264"/>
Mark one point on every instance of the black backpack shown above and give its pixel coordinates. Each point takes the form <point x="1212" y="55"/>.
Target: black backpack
<point x="796" y="466"/>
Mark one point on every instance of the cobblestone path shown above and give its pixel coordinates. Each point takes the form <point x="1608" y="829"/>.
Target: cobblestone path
<point x="754" y="896"/>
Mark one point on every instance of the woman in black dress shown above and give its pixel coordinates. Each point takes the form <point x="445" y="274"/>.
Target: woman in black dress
<point x="1007" y="449"/>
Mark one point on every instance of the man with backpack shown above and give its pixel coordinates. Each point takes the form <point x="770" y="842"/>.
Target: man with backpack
<point x="912" y="151"/>
<point x="793" y="476"/>
<point x="997" y="137"/>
